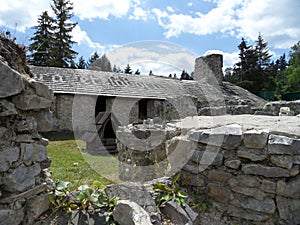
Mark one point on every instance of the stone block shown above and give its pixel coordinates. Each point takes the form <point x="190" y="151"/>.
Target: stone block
<point x="251" y="154"/>
<point x="41" y="89"/>
<point x="256" y="139"/>
<point x="264" y="206"/>
<point x="289" y="210"/>
<point x="7" y="108"/>
<point x="27" y="125"/>
<point x="217" y="175"/>
<point x="177" y="214"/>
<point x="228" y="137"/>
<point x="248" y="215"/>
<point x="31" y="102"/>
<point x="233" y="163"/>
<point x="284" y="161"/>
<point x="242" y="180"/>
<point x="267" y="171"/>
<point x="8" y="156"/>
<point x="10" y="216"/>
<point x="36" y="207"/>
<point x="21" y="178"/>
<point x="283" y="145"/>
<point x="11" y="81"/>
<point x="128" y="212"/>
<point x="290" y="189"/>
<point x="211" y="156"/>
<point x="268" y="186"/>
<point x="218" y="193"/>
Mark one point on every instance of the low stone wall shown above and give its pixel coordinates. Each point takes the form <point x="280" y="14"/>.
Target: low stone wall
<point x="273" y="108"/>
<point x="24" y="111"/>
<point x="250" y="174"/>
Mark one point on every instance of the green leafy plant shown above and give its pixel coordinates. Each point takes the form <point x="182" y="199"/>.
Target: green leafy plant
<point x="168" y="193"/>
<point x="199" y="203"/>
<point x="86" y="198"/>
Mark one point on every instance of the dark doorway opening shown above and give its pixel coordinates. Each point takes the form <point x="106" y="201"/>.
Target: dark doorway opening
<point x="143" y="109"/>
<point x="100" y="105"/>
<point x="109" y="130"/>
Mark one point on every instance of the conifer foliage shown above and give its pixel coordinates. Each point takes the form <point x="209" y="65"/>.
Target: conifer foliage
<point x="52" y="41"/>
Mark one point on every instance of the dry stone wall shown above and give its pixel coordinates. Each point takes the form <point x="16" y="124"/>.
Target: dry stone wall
<point x="24" y="112"/>
<point x="249" y="174"/>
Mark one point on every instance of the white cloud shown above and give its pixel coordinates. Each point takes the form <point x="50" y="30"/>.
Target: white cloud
<point x="278" y="21"/>
<point x="101" y="9"/>
<point x="170" y="9"/>
<point x="19" y="15"/>
<point x="81" y="37"/>
<point x="190" y="4"/>
<point x="139" y="14"/>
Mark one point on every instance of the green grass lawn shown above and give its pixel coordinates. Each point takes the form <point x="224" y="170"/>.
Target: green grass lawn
<point x="70" y="164"/>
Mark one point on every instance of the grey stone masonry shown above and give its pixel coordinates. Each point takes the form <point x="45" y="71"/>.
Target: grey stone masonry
<point x="246" y="169"/>
<point x="23" y="156"/>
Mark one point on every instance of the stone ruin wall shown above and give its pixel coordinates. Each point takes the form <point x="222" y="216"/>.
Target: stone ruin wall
<point x="24" y="179"/>
<point x="254" y="175"/>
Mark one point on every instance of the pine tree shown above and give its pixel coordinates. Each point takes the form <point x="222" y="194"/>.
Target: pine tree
<point x="81" y="63"/>
<point x="42" y="41"/>
<point x="93" y="58"/>
<point x="128" y="69"/>
<point x="62" y="52"/>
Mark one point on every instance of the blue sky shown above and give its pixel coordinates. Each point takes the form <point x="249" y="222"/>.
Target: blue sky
<point x="193" y="26"/>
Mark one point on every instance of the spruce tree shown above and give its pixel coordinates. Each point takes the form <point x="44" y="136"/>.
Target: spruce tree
<point x="128" y="69"/>
<point x="101" y="64"/>
<point x="93" y="58"/>
<point x="81" y="63"/>
<point x="62" y="52"/>
<point x="42" y="41"/>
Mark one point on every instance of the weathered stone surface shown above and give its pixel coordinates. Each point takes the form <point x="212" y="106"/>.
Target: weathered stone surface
<point x="283" y="145"/>
<point x="218" y="193"/>
<point x="11" y="81"/>
<point x="7" y="108"/>
<point x="242" y="180"/>
<point x="290" y="189"/>
<point x="265" y="206"/>
<point x="31" y="102"/>
<point x="267" y="171"/>
<point x="21" y="178"/>
<point x="209" y="157"/>
<point x="228" y="137"/>
<point x="252" y="154"/>
<point x="41" y="89"/>
<point x="2" y="131"/>
<point x="11" y="217"/>
<point x="37" y="206"/>
<point x="285" y="111"/>
<point x="233" y="163"/>
<point x="219" y="175"/>
<point x="24" y="138"/>
<point x="33" y="153"/>
<point x="135" y="192"/>
<point x="245" y="214"/>
<point x="8" y="156"/>
<point x="177" y="214"/>
<point x="289" y="210"/>
<point x="268" y="186"/>
<point x="284" y="161"/>
<point x="130" y="213"/>
<point x="256" y="138"/>
<point x="27" y="125"/>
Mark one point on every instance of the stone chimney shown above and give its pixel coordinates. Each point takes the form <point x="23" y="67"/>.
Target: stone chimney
<point x="209" y="69"/>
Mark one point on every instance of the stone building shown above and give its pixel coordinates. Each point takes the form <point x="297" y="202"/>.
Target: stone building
<point x="95" y="102"/>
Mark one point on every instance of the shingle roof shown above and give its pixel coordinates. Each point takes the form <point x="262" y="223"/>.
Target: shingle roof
<point x="91" y="82"/>
<point x="76" y="81"/>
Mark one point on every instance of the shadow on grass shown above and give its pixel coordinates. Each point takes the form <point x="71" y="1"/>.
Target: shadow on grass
<point x="59" y="136"/>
